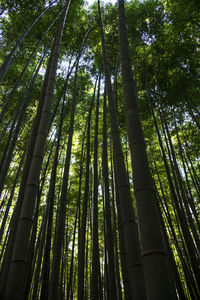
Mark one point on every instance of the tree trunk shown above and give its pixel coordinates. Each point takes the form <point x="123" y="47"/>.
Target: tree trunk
<point x="157" y="275"/>
<point x="111" y="288"/>
<point x="82" y="230"/>
<point x="55" y="283"/>
<point x="15" y="133"/>
<point x="130" y="230"/>
<point x="17" y="267"/>
<point x="94" y="289"/>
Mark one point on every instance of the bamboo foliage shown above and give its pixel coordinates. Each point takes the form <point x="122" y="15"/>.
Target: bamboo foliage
<point x="83" y="216"/>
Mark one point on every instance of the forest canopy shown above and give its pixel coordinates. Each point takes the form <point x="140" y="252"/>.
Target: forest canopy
<point x="99" y="150"/>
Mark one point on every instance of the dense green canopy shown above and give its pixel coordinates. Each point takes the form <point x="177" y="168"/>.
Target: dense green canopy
<point x="59" y="184"/>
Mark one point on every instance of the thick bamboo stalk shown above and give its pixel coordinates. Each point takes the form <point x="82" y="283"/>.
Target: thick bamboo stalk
<point x="17" y="267"/>
<point x="130" y="230"/>
<point x="157" y="276"/>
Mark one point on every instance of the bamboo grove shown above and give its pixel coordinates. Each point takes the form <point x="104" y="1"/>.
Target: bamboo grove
<point x="99" y="150"/>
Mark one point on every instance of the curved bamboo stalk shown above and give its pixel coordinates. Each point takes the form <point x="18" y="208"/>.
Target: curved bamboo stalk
<point x="4" y="67"/>
<point x="17" y="267"/>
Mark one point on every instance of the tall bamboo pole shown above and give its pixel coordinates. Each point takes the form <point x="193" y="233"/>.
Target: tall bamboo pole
<point x="157" y="275"/>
